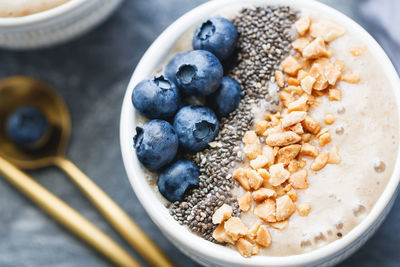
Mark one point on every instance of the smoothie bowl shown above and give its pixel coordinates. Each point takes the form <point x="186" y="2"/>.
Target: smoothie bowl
<point x="273" y="143"/>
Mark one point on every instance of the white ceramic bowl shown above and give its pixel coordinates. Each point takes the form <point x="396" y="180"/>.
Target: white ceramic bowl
<point x="55" y="25"/>
<point x="206" y="252"/>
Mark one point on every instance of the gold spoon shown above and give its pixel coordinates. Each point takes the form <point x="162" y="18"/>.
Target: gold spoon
<point x="66" y="215"/>
<point x="21" y="91"/>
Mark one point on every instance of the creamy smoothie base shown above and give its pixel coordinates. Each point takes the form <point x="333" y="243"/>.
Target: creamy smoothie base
<point x="365" y="131"/>
<point x="19" y="8"/>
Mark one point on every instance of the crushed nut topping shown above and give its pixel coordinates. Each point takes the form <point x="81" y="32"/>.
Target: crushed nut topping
<point x="276" y="168"/>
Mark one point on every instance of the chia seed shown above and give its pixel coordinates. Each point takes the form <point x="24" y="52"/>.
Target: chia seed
<point x="264" y="40"/>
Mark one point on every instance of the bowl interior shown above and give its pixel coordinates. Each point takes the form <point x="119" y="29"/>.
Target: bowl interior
<point x="155" y="56"/>
<point x="41" y="16"/>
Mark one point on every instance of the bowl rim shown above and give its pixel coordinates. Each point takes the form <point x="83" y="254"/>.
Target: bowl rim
<point x="41" y="16"/>
<point x="154" y="207"/>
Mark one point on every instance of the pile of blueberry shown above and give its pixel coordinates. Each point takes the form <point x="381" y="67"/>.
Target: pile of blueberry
<point x="175" y="125"/>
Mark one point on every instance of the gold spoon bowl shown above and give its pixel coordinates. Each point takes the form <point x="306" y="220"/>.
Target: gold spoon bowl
<point x="20" y="91"/>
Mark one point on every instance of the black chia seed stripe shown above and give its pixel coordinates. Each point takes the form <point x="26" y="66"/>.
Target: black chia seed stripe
<point x="264" y="40"/>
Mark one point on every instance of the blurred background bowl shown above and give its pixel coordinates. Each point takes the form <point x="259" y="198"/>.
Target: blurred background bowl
<point x="55" y="25"/>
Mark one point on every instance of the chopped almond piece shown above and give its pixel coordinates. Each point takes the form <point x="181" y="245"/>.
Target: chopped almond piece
<point x="321" y="132"/>
<point x="261" y="126"/>
<point x="303" y="24"/>
<point x="291" y="66"/>
<point x="299" y="104"/>
<point x="293" y="81"/>
<point x="326" y="29"/>
<point x="301" y="75"/>
<point x="220" y="235"/>
<point x="306" y="137"/>
<point x="244" y="247"/>
<point x="293" y="166"/>
<point x="244" y="202"/>
<point x="266" y="210"/>
<point x="259" y="162"/>
<point x="287" y="188"/>
<point x="319" y="93"/>
<point x="292" y="118"/>
<point x="315" y="49"/>
<point x="269" y="153"/>
<point x="334" y="94"/>
<point x="280" y="190"/>
<point x="332" y="73"/>
<point x="263" y="173"/>
<point x="309" y="150"/>
<point x="263" y="238"/>
<point x="299" y="179"/>
<point x="302" y="163"/>
<point x="283" y="139"/>
<point x="311" y="125"/>
<point x="313" y="101"/>
<point x="288" y="153"/>
<point x="282" y="225"/>
<point x="358" y="50"/>
<point x="286" y="98"/>
<point x="279" y="78"/>
<point x="297" y="128"/>
<point x="274" y="118"/>
<point x="278" y="174"/>
<point x="334" y="157"/>
<point x="255" y="180"/>
<point x="293" y="195"/>
<point x="294" y="90"/>
<point x="320" y="162"/>
<point x="240" y="175"/>
<point x="235" y="228"/>
<point x="255" y="250"/>
<point x="324" y="139"/>
<point x="300" y="43"/>
<point x="252" y="150"/>
<point x="339" y="65"/>
<point x="284" y="208"/>
<point x="250" y="137"/>
<point x="329" y="119"/>
<point x="317" y="71"/>
<point x="307" y="84"/>
<point x="262" y="194"/>
<point x="252" y="233"/>
<point x="351" y="78"/>
<point x="304" y="209"/>
<point x="276" y="129"/>
<point x="222" y="214"/>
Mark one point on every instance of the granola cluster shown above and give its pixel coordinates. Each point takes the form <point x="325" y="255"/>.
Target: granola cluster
<point x="277" y="168"/>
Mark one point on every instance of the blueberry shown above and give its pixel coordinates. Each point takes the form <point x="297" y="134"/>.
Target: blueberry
<point x="156" y="98"/>
<point x="176" y="180"/>
<point x="172" y="66"/>
<point x="156" y="144"/>
<point x="199" y="73"/>
<point x="227" y="98"/>
<point x="217" y="35"/>
<point x="196" y="127"/>
<point x="26" y="126"/>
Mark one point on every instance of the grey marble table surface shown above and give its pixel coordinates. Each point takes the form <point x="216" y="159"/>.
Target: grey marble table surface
<point x="91" y="73"/>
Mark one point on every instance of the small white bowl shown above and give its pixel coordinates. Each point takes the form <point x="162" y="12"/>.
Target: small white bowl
<point x="55" y="25"/>
<point x="211" y="254"/>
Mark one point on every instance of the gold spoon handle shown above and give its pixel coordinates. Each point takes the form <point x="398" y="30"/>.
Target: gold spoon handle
<point x="66" y="215"/>
<point x="127" y="228"/>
